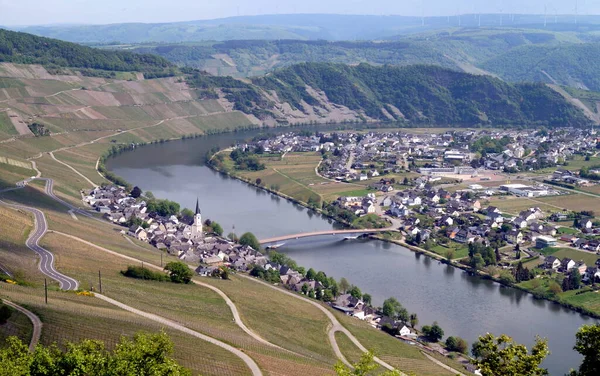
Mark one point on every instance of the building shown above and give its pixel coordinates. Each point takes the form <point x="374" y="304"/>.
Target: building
<point x="542" y="242"/>
<point x="524" y="190"/>
<point x="197" y="233"/>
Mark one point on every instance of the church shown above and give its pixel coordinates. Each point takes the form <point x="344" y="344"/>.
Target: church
<point x="197" y="233"/>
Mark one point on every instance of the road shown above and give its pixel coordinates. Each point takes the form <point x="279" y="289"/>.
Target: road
<point x="171" y="324"/>
<point x="46" y="265"/>
<point x="37" y="323"/>
<point x="336" y="326"/>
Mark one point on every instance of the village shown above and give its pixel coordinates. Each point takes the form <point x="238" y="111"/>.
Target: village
<point x="457" y="192"/>
<point x="447" y="203"/>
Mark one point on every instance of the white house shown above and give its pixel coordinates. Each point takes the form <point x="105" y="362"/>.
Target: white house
<point x="406" y="332"/>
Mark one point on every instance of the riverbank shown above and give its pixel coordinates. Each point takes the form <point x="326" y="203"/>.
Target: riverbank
<point x="481" y="274"/>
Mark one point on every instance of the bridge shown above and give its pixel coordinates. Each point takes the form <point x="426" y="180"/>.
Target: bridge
<point x="280" y="239"/>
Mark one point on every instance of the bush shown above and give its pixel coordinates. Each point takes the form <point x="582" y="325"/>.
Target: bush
<point x="179" y="272"/>
<point x="139" y="272"/>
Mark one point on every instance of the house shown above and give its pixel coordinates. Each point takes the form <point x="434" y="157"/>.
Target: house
<point x="520" y="222"/>
<point x="514" y="236"/>
<point x="493" y="209"/>
<point x="407" y="333"/>
<point x="566" y="265"/>
<point x="551" y="262"/>
<point x="592" y="274"/>
<point x="387" y="201"/>
<point x="462" y="236"/>
<point x="586" y="223"/>
<point x="446" y="221"/>
<point x="495" y="217"/>
<point x="581" y="267"/>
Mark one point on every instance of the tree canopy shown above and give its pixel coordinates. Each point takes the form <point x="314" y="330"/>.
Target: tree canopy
<point x="501" y="356"/>
<point x="145" y="354"/>
<point x="179" y="272"/>
<point x="250" y="240"/>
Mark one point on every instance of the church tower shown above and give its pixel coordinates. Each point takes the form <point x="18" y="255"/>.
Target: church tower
<point x="197" y="233"/>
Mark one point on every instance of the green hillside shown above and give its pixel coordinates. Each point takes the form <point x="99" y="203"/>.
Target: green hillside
<point x="457" y="48"/>
<point x="423" y="94"/>
<point x="29" y="49"/>
<point x="570" y="65"/>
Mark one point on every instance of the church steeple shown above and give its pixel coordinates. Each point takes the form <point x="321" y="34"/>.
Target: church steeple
<point x="197" y="226"/>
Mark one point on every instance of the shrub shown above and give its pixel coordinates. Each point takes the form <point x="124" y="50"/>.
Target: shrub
<point x="139" y="272"/>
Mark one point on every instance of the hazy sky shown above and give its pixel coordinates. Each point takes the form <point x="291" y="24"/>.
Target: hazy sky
<point x="37" y="12"/>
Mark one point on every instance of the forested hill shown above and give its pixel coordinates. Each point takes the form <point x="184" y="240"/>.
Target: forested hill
<point x="420" y="94"/>
<point x="25" y="48"/>
<point x="570" y="65"/>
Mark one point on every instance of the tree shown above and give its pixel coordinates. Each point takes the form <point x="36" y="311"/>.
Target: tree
<point x="457" y="344"/>
<point x="355" y="292"/>
<point x="414" y="320"/>
<point x="5" y="313"/>
<point x="216" y="228"/>
<point x="187" y="213"/>
<point x="587" y="343"/>
<point x="311" y="274"/>
<point x="367" y="299"/>
<point x="328" y="296"/>
<point x="258" y="181"/>
<point x="391" y="307"/>
<point x="433" y="333"/>
<point x="319" y="294"/>
<point x="554" y="288"/>
<point x="575" y="279"/>
<point x="304" y="288"/>
<point x="364" y="367"/>
<point x="136" y="192"/>
<point x="145" y="354"/>
<point x="233" y="237"/>
<point x="501" y="356"/>
<point x="344" y="285"/>
<point x="497" y="253"/>
<point x="179" y="272"/>
<point x="250" y="240"/>
<point x="477" y="262"/>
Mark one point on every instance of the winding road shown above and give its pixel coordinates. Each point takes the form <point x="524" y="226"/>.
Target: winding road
<point x="37" y="323"/>
<point x="46" y="265"/>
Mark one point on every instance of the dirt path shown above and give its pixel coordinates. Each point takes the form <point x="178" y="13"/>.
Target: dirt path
<point x="230" y="304"/>
<point x="37" y="323"/>
<point x="442" y="364"/>
<point x="171" y="324"/>
<point x="74" y="170"/>
<point x="336" y="326"/>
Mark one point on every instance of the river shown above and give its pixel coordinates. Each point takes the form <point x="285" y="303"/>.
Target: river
<point x="463" y="305"/>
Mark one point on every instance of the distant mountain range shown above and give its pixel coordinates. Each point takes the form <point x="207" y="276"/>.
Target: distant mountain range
<point x="300" y="26"/>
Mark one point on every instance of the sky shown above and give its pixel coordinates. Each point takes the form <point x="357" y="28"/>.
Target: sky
<point x="47" y="12"/>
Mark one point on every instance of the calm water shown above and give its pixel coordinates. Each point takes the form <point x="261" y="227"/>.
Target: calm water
<point x="463" y="305"/>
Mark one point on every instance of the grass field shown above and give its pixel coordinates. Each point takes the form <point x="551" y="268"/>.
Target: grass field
<point x="588" y="257"/>
<point x="349" y="349"/>
<point x="460" y="250"/>
<point x="405" y="357"/>
<point x="575" y="202"/>
<point x="295" y="176"/>
<point x="69" y="317"/>
<point x="514" y="205"/>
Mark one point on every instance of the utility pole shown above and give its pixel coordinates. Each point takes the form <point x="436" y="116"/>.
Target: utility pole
<point x="46" y="290"/>
<point x="100" y="281"/>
